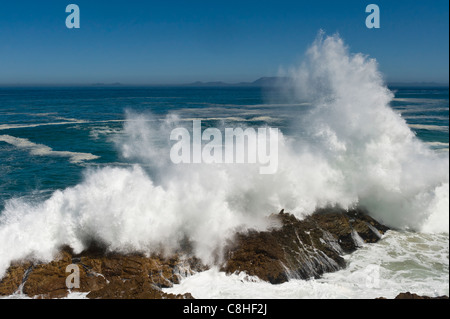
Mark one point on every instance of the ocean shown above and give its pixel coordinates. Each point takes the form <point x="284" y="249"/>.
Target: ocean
<point x="93" y="163"/>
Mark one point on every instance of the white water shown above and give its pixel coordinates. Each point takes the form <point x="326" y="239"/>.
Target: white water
<point x="356" y="150"/>
<point x="44" y="150"/>
<point x="400" y="262"/>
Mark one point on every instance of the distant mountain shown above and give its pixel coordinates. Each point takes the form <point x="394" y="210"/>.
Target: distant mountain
<point x="107" y="84"/>
<point x="261" y="82"/>
<point x="274" y="81"/>
<point x="199" y="83"/>
<point x="271" y="81"/>
<point x="266" y="81"/>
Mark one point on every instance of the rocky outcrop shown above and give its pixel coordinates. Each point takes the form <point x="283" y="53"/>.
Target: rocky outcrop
<point x="14" y="278"/>
<point x="102" y="275"/>
<point x="408" y="295"/>
<point x="291" y="249"/>
<point x="301" y="249"/>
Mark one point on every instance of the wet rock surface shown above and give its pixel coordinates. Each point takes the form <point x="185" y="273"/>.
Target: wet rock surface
<point x="301" y="249"/>
<point x="291" y="249"/>
<point x="408" y="295"/>
<point x="111" y="276"/>
<point x="13" y="279"/>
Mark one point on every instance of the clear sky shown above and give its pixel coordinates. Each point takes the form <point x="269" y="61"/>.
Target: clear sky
<point x="168" y="41"/>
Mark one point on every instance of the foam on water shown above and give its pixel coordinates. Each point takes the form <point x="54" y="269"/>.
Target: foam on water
<point x="429" y="127"/>
<point x="68" y="122"/>
<point x="44" y="150"/>
<point x="400" y="262"/>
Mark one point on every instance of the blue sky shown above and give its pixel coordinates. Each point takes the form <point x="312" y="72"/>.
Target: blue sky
<point x="157" y="42"/>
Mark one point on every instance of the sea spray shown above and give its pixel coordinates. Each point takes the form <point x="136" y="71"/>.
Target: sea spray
<point x="393" y="174"/>
<point x="354" y="150"/>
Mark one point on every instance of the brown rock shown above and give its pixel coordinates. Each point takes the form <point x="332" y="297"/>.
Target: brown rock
<point x="301" y="249"/>
<point x="136" y="288"/>
<point x="408" y="295"/>
<point x="14" y="277"/>
<point x="49" y="280"/>
<point x="138" y="266"/>
<point x="102" y="275"/>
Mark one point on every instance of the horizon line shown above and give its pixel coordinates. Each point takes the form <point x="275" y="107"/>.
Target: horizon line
<point x="260" y="82"/>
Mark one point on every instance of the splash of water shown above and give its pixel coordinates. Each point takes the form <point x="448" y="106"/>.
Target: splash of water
<point x="393" y="174"/>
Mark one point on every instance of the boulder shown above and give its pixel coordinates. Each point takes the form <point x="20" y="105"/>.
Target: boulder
<point x="301" y="249"/>
<point x="15" y="276"/>
<point x="408" y="295"/>
<point x="102" y="275"/>
<point x="135" y="288"/>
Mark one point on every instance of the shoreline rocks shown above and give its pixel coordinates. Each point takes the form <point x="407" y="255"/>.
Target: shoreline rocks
<point x="408" y="295"/>
<point x="301" y="249"/>
<point x="293" y="249"/>
<point x="110" y="276"/>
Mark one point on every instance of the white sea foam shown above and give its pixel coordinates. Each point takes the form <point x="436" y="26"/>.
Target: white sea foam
<point x="423" y="117"/>
<point x="69" y="122"/>
<point x="420" y="110"/>
<point x="420" y="101"/>
<point x="43" y="150"/>
<point x="14" y="126"/>
<point x="440" y="128"/>
<point x="97" y="131"/>
<point x="437" y="144"/>
<point x="400" y="262"/>
<point x="356" y="150"/>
